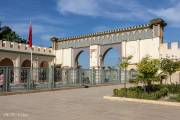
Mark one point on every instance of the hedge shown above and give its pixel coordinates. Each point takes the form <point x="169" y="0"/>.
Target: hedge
<point x="136" y="92"/>
<point x="175" y="98"/>
<point x="172" y="88"/>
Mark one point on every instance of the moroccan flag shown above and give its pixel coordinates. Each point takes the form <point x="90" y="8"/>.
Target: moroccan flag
<point x="30" y="36"/>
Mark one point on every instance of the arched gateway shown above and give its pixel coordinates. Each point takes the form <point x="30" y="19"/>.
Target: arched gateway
<point x="137" y="41"/>
<point x="6" y="65"/>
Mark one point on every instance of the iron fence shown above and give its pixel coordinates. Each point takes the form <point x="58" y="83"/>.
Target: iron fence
<point x="25" y="78"/>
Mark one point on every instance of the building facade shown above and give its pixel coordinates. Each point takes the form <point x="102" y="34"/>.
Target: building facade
<point x="138" y="41"/>
<point x="16" y="56"/>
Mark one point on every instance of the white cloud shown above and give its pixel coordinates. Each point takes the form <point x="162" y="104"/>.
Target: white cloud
<point x="44" y="32"/>
<point x="100" y="28"/>
<point x="81" y="7"/>
<point x="52" y="20"/>
<point x="113" y="9"/>
<point x="22" y="28"/>
<point x="130" y="10"/>
<point x="46" y="37"/>
<point x="171" y="14"/>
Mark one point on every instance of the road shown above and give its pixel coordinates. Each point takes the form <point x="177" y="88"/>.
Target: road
<point x="80" y="104"/>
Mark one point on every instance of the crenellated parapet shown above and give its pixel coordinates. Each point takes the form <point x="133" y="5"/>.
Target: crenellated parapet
<point x="24" y="48"/>
<point x="151" y="30"/>
<point x="171" y="51"/>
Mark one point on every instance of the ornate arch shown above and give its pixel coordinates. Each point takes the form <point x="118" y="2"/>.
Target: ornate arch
<point x="77" y="52"/>
<point x="106" y="48"/>
<point x="6" y="62"/>
<point x="44" y="64"/>
<point x="26" y="63"/>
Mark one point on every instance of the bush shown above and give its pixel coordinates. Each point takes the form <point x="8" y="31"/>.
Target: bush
<point x="178" y="98"/>
<point x="138" y="92"/>
<point x="132" y="94"/>
<point x="175" y="98"/>
<point x="122" y="92"/>
<point x="173" y="88"/>
<point x="115" y="92"/>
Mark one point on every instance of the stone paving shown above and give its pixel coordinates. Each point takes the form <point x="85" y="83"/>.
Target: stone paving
<point x="80" y="104"/>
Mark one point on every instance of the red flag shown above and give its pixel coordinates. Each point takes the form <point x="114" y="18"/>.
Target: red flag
<point x="30" y="36"/>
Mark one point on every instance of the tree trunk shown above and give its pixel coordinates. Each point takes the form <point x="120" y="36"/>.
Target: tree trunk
<point x="161" y="82"/>
<point x="144" y="87"/>
<point x="125" y="78"/>
<point x="149" y="86"/>
<point x="170" y="79"/>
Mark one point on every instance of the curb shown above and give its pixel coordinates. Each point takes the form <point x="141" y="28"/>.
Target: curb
<point x="142" y="101"/>
<point x="38" y="91"/>
<point x="51" y="90"/>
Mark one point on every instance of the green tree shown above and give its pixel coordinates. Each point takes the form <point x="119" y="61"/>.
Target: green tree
<point x="162" y="76"/>
<point x="178" y="65"/>
<point x="7" y="34"/>
<point x="169" y="66"/>
<point x="147" y="70"/>
<point x="124" y="65"/>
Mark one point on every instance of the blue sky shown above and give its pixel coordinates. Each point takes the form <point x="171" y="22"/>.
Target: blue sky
<point x="63" y="18"/>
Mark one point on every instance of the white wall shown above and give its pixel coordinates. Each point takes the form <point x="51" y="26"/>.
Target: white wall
<point x="150" y="47"/>
<point x="94" y="56"/>
<point x="64" y="57"/>
<point x="59" y="56"/>
<point x="13" y="46"/>
<point x="141" y="48"/>
<point x="131" y="48"/>
<point x="172" y="53"/>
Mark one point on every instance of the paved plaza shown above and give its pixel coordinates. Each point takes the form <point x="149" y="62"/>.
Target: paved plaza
<point x="80" y="104"/>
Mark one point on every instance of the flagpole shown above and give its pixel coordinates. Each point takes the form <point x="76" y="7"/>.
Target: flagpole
<point x="31" y="62"/>
<point x="30" y="43"/>
<point x="31" y="67"/>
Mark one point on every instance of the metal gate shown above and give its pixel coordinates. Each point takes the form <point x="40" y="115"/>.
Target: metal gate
<point x="72" y="76"/>
<point x="24" y="78"/>
<point x="6" y="77"/>
<point x="109" y="75"/>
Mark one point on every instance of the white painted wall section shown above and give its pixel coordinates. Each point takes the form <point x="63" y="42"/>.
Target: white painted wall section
<point x="67" y="57"/>
<point x="94" y="56"/>
<point x="141" y="48"/>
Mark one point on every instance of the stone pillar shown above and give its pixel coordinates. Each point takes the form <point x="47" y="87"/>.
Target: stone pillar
<point x="98" y="76"/>
<point x="17" y="70"/>
<point x="95" y="56"/>
<point x="36" y="70"/>
<point x="95" y="62"/>
<point x="93" y="76"/>
<point x="54" y="43"/>
<point x="124" y="49"/>
<point x="51" y="83"/>
<point x="64" y="76"/>
<point x="124" y="54"/>
<point x="74" y="75"/>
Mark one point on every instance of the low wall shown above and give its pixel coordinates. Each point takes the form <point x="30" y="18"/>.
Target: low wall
<point x="14" y="46"/>
<point x="175" y="78"/>
<point x="171" y="51"/>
